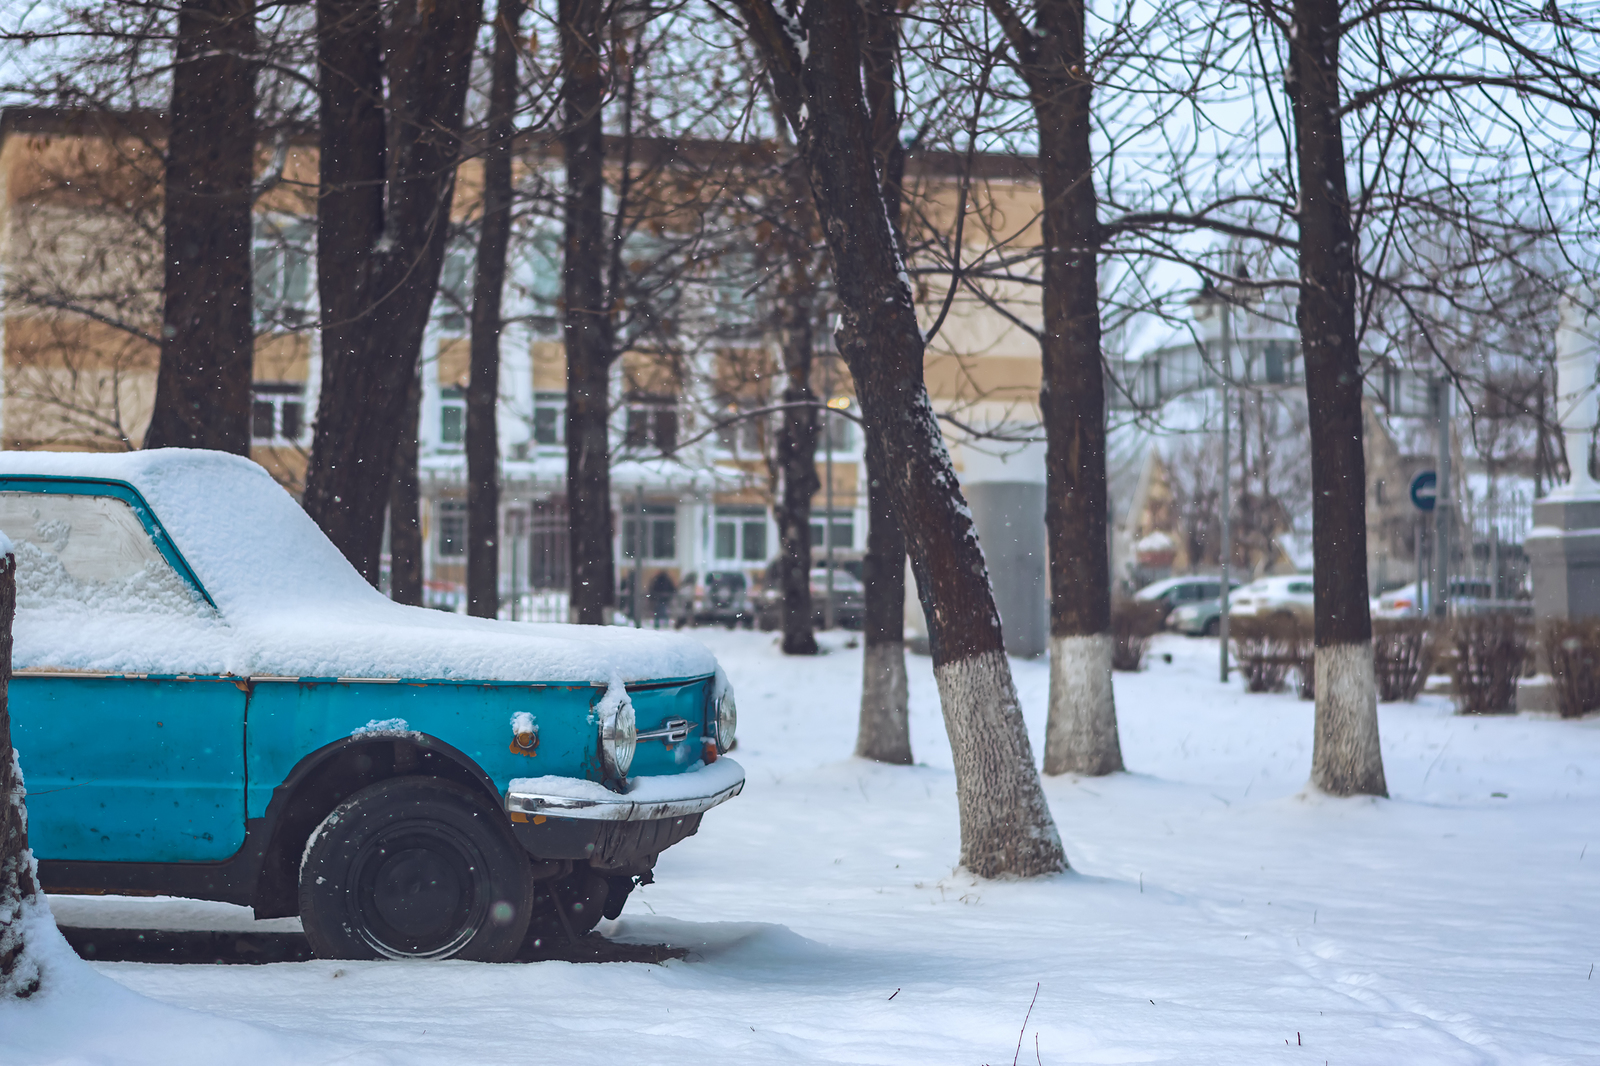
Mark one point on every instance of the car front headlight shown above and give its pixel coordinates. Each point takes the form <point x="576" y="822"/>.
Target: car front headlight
<point x="727" y="721"/>
<point x="619" y="735"/>
<point x="1187" y="613"/>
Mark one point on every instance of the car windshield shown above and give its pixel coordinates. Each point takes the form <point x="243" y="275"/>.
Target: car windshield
<point x="843" y="580"/>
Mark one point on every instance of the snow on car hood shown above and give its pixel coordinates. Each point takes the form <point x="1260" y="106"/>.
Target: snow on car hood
<point x="289" y="604"/>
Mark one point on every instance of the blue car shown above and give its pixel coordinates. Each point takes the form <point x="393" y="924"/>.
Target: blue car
<point x="210" y="702"/>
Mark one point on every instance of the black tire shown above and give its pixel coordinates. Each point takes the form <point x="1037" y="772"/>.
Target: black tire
<point x="1213" y="627"/>
<point x="415" y="867"/>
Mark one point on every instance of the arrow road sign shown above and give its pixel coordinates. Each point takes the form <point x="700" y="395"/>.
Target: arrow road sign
<point x="1425" y="490"/>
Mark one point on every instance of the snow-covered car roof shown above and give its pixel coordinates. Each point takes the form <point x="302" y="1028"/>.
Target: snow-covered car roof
<point x="1274" y="581"/>
<point x="1156" y="588"/>
<point x="289" y="604"/>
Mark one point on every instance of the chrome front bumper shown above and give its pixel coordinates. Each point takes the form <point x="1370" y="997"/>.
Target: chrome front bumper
<point x="647" y="798"/>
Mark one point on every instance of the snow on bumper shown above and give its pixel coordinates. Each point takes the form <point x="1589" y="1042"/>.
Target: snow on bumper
<point x="659" y="796"/>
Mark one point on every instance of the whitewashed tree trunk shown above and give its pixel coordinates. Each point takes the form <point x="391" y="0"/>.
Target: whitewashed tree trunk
<point x="995" y="779"/>
<point x="1051" y="56"/>
<point x="1081" y="735"/>
<point x="1345" y="758"/>
<point x="884" y="734"/>
<point x="814" y="64"/>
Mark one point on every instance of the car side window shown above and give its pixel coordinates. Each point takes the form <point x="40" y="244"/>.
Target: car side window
<point x="90" y="550"/>
<point x="1301" y="587"/>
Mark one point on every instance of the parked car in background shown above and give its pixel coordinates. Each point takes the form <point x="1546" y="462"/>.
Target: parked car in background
<point x="1467" y="596"/>
<point x="1285" y="594"/>
<point x="720" y="598"/>
<point x="1200" y="619"/>
<point x="849" y="598"/>
<point x="210" y="702"/>
<point x="1174" y="592"/>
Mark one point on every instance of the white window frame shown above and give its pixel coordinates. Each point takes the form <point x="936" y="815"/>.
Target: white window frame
<point x="280" y="394"/>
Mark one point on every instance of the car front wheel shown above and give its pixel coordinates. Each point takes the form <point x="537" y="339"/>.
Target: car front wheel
<point x="415" y="868"/>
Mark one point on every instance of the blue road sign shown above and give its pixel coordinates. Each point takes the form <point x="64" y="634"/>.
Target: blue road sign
<point x="1425" y="490"/>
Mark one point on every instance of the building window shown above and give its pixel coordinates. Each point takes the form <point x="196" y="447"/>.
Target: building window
<point x="278" y="413"/>
<point x="660" y="533"/>
<point x="741" y="533"/>
<point x="454" y="295"/>
<point x="844" y="531"/>
<point x="743" y="437"/>
<point x="652" y="424"/>
<point x="452" y="415"/>
<point x="838" y="432"/>
<point x="755" y="541"/>
<point x="281" y="269"/>
<point x="549" y="410"/>
<point x="452" y="516"/>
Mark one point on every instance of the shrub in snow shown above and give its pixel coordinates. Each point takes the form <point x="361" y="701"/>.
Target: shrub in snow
<point x="1573" y="651"/>
<point x="1402" y="657"/>
<point x="1133" y="623"/>
<point x="1490" y="651"/>
<point x="1266" y="649"/>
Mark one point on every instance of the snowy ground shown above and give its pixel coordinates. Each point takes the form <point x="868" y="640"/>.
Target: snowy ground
<point x="1215" y="913"/>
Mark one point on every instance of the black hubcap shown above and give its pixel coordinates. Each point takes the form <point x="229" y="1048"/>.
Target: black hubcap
<point x="416" y="891"/>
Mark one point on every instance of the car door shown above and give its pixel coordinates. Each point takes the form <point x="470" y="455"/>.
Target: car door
<point x="1302" y="597"/>
<point x="128" y="766"/>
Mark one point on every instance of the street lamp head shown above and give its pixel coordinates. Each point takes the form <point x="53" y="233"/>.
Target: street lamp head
<point x="1205" y="304"/>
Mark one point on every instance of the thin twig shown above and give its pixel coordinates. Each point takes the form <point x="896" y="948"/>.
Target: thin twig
<point x="1024" y="1029"/>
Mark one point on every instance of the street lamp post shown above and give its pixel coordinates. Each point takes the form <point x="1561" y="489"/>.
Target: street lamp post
<point x="827" y="522"/>
<point x="1206" y="304"/>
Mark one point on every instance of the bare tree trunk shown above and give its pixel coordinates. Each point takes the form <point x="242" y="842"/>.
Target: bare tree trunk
<point x="208" y="336"/>
<point x="587" y="318"/>
<point x="382" y="218"/>
<point x="1346" y="758"/>
<point x="884" y="731"/>
<point x="483" y="386"/>
<point x="1081" y="734"/>
<point x="1006" y="826"/>
<point x="405" y="507"/>
<point x="19" y="888"/>
<point x="796" y="445"/>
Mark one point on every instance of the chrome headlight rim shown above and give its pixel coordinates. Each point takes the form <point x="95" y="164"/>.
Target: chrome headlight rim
<point x="619" y="738"/>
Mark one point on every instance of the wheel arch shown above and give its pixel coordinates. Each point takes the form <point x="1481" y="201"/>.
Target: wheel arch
<point x="325" y="778"/>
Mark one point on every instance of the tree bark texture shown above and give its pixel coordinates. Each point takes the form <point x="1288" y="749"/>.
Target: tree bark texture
<point x="884" y="732"/>
<point x="798" y="427"/>
<point x="1006" y="826"/>
<point x="483" y="384"/>
<point x="1346" y="758"/>
<point x="1081" y="736"/>
<point x="383" y="215"/>
<point x="19" y="885"/>
<point x="405" y="506"/>
<point x="207" y="330"/>
<point x="586" y="325"/>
